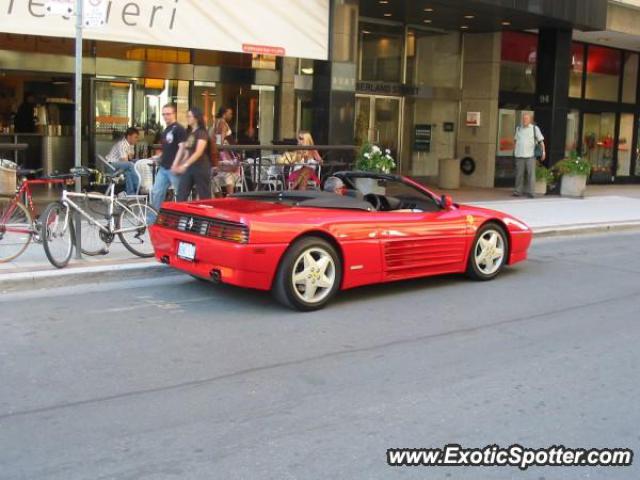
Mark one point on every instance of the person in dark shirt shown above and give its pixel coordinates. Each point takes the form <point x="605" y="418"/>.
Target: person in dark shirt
<point x="171" y="138"/>
<point x="25" y="121"/>
<point x="193" y="165"/>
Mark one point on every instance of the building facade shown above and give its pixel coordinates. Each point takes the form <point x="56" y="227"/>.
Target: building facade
<point x="429" y="79"/>
<point x="460" y="74"/>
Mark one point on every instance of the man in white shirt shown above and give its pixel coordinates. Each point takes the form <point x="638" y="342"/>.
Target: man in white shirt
<point x="120" y="158"/>
<point x="527" y="137"/>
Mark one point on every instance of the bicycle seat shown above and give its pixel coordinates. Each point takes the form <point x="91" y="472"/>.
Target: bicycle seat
<point x="28" y="172"/>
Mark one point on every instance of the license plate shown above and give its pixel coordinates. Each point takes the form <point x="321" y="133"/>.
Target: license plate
<point x="187" y="251"/>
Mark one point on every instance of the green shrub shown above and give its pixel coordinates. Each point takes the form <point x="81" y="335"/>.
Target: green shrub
<point x="372" y="158"/>
<point x="574" y="165"/>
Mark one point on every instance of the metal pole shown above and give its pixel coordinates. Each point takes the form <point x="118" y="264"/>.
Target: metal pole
<point x="78" y="119"/>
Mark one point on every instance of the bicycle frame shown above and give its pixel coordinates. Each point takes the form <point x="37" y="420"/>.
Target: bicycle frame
<point x="23" y="194"/>
<point x="109" y="198"/>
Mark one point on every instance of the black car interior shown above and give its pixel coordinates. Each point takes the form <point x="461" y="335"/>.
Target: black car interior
<point x="398" y="196"/>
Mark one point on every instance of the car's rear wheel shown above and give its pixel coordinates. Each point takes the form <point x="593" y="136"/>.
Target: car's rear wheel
<point x="489" y="253"/>
<point x="309" y="275"/>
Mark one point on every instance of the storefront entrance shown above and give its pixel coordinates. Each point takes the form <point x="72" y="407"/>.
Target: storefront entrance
<point x="378" y="120"/>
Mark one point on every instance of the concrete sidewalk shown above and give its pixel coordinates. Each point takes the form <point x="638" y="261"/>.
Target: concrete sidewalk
<point x="556" y="215"/>
<point x="550" y="215"/>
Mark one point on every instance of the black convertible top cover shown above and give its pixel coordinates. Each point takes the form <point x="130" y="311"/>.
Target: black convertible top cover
<point x="308" y="198"/>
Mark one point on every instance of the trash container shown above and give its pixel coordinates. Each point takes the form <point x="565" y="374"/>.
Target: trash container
<point x="449" y="173"/>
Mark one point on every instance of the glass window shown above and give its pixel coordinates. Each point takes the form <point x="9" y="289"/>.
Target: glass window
<point x="573" y="130"/>
<point x="253" y="108"/>
<point x="598" y="131"/>
<point x="151" y="95"/>
<point x="380" y="53"/>
<point x="603" y="73"/>
<point x="577" y="69"/>
<point x="518" y="66"/>
<point x="433" y="60"/>
<point x="42" y="44"/>
<point x="125" y="51"/>
<point x="625" y="139"/>
<point x="630" y="80"/>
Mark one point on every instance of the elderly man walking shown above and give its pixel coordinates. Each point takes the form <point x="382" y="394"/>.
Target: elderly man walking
<point x="528" y="136"/>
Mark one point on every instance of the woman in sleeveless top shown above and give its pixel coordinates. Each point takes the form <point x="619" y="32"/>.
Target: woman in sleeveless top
<point x="304" y="164"/>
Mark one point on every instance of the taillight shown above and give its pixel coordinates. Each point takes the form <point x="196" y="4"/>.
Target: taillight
<point x="167" y="220"/>
<point x="238" y="233"/>
<point x="206" y="227"/>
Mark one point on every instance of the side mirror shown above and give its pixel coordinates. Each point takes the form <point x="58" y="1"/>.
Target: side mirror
<point x="446" y="202"/>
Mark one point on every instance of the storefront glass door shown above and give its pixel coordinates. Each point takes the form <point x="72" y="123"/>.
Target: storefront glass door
<point x="113" y="109"/>
<point x="637" y="157"/>
<point x="378" y="121"/>
<point x="625" y="145"/>
<point x="508" y="121"/>
<point x="253" y="108"/>
<point x="598" y="144"/>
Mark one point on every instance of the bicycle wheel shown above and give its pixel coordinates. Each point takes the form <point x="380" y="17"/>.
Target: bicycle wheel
<point x="135" y="238"/>
<point x="16" y="229"/>
<point x="57" y="234"/>
<point x="93" y="243"/>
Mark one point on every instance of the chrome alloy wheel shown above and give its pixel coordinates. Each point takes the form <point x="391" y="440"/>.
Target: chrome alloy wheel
<point x="313" y="275"/>
<point x="489" y="252"/>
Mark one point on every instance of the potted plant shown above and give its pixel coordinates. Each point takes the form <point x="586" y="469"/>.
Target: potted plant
<point x="544" y="177"/>
<point x="371" y="158"/>
<point x="574" y="170"/>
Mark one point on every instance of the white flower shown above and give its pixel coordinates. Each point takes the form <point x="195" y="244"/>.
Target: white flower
<point x="387" y="151"/>
<point x="376" y="149"/>
<point x="367" y="155"/>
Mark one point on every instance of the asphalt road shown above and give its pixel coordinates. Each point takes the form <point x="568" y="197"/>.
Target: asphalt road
<point x="169" y="378"/>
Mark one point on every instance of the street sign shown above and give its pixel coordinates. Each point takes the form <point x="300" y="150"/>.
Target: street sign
<point x="59" y="7"/>
<point x="95" y="13"/>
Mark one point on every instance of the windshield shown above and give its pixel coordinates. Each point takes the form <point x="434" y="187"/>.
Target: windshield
<point x="395" y="194"/>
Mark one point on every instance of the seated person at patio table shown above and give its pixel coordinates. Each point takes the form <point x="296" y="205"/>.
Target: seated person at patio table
<point x="304" y="162"/>
<point x="120" y="158"/>
<point x="227" y="174"/>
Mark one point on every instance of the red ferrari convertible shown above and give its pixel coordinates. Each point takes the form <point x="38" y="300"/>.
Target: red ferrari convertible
<point x="305" y="246"/>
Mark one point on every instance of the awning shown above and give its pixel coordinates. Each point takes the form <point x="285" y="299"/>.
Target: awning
<point x="293" y="28"/>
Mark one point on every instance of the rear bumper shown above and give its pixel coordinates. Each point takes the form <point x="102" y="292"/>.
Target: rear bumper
<point x="243" y="265"/>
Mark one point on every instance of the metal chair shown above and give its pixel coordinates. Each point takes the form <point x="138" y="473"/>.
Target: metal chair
<point x="144" y="170"/>
<point x="241" y="182"/>
<point x="270" y="174"/>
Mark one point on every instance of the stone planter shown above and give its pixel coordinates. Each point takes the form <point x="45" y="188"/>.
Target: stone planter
<point x="573" y="186"/>
<point x="541" y="187"/>
<point x="449" y="173"/>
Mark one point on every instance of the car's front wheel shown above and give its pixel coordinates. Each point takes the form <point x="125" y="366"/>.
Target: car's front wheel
<point x="489" y="253"/>
<point x="309" y="274"/>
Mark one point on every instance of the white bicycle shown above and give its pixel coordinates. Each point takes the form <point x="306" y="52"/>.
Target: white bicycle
<point x="104" y="217"/>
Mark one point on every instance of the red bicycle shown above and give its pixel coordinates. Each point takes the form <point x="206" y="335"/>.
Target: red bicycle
<point x="18" y="219"/>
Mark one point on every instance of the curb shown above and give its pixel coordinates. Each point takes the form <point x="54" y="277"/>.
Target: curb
<point x="585" y="229"/>
<point x="41" y="279"/>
